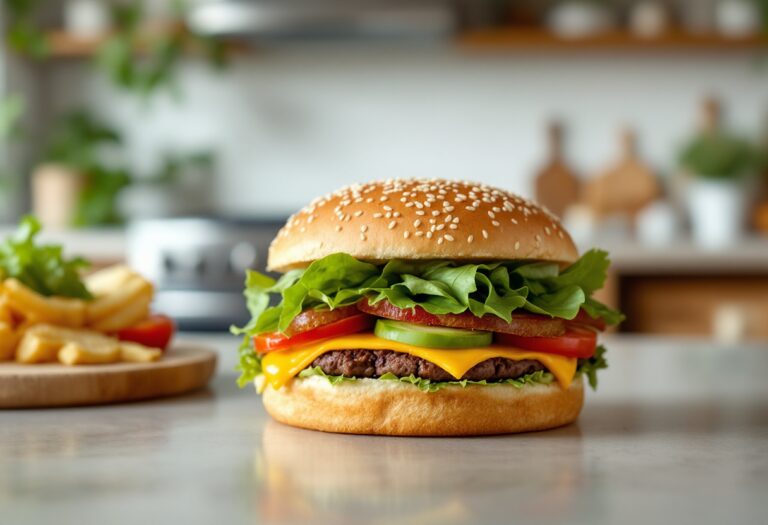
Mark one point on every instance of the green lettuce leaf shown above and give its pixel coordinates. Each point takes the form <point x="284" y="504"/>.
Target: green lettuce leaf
<point x="427" y="385"/>
<point x="589" y="367"/>
<point x="439" y="287"/>
<point x="41" y="267"/>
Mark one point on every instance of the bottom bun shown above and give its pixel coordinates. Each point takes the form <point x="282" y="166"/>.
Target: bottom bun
<point x="391" y="408"/>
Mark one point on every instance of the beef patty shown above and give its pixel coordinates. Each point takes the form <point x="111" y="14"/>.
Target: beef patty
<point x="376" y="363"/>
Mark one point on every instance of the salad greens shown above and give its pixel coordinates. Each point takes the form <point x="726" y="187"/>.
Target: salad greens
<point x="43" y="268"/>
<point x="439" y="287"/>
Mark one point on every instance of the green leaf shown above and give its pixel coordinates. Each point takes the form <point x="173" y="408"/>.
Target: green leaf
<point x="590" y="367"/>
<point x="43" y="268"/>
<point x="427" y="385"/>
<point x="588" y="273"/>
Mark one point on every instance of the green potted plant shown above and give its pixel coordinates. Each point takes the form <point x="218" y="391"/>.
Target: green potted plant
<point x="11" y="111"/>
<point x="721" y="167"/>
<point x="76" y="184"/>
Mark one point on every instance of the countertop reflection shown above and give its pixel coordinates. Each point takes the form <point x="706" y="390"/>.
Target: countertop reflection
<point x="677" y="430"/>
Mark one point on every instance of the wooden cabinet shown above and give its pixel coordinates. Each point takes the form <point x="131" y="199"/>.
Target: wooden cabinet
<point x="726" y="306"/>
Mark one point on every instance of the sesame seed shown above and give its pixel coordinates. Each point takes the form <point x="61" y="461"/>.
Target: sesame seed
<point x="387" y="208"/>
<point x="560" y="234"/>
<point x="396" y="214"/>
<point x="419" y="205"/>
<point x="435" y="213"/>
<point x="449" y="208"/>
<point x="358" y="213"/>
<point x="427" y="204"/>
<point x="439" y="227"/>
<point x="491" y="215"/>
<point x="448" y="237"/>
<point x="363" y="228"/>
<point x="388" y="215"/>
<point x="391" y="225"/>
<point x="453" y="226"/>
<point x="470" y="238"/>
<point x="369" y="200"/>
<point x="406" y="234"/>
<point x="419" y="234"/>
<point x="514" y="221"/>
<point x="338" y="228"/>
<point x="470" y="208"/>
<point x="440" y="240"/>
<point x="377" y="215"/>
<point x="547" y="230"/>
<point x="429" y="235"/>
<point x="496" y="209"/>
<point x="383" y="199"/>
<point x="517" y="245"/>
<point x="496" y="223"/>
<point x="448" y="218"/>
<point x="310" y="219"/>
<point x="485" y="234"/>
<point x="417" y="223"/>
<point x="420" y="212"/>
<point x="302" y="229"/>
<point x="403" y="199"/>
<point x="362" y="236"/>
<point x="456" y="220"/>
<point x="408" y="204"/>
<point x="538" y="238"/>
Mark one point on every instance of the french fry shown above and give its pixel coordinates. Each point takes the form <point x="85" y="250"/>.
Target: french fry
<point x="108" y="280"/>
<point x="114" y="302"/>
<point x="31" y="305"/>
<point x="43" y="343"/>
<point x="36" y="348"/>
<point x="136" y="353"/>
<point x="8" y="340"/>
<point x="5" y="313"/>
<point x="128" y="315"/>
<point x="79" y="353"/>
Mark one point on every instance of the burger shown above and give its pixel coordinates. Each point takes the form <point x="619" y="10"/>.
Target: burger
<point x="425" y="307"/>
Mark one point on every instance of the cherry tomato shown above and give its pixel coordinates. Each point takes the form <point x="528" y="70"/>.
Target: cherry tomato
<point x="155" y="331"/>
<point x="349" y="325"/>
<point x="576" y="342"/>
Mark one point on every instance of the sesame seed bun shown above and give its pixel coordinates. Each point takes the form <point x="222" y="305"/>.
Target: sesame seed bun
<point x="391" y="408"/>
<point x="421" y="219"/>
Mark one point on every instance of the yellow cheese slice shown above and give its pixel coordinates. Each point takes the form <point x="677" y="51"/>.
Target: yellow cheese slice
<point x="281" y="366"/>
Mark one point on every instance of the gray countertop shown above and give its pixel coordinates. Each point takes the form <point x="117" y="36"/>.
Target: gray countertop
<point x="677" y="433"/>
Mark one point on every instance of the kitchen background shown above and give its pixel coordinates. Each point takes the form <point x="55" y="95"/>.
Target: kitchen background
<point x="644" y="123"/>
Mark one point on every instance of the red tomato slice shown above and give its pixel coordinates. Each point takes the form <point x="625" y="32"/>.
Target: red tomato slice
<point x="522" y="323"/>
<point x="311" y="319"/>
<point x="155" y="331"/>
<point x="585" y="319"/>
<point x="349" y="325"/>
<point x="576" y="342"/>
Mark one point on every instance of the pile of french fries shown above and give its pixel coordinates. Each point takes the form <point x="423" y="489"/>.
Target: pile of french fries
<point x="39" y="329"/>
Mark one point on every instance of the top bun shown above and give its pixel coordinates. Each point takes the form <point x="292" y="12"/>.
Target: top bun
<point x="421" y="219"/>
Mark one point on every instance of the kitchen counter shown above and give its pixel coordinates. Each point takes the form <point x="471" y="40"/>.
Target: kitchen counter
<point x="677" y="432"/>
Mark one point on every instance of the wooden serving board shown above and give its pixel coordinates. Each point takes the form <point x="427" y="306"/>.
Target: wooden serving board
<point x="182" y="369"/>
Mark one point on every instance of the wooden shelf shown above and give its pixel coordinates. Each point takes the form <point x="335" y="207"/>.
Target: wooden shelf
<point x="65" y="45"/>
<point x="527" y="39"/>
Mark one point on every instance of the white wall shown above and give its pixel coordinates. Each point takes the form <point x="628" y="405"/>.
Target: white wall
<point x="292" y="124"/>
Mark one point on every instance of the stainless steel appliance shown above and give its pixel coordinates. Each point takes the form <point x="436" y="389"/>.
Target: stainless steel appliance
<point x="198" y="266"/>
